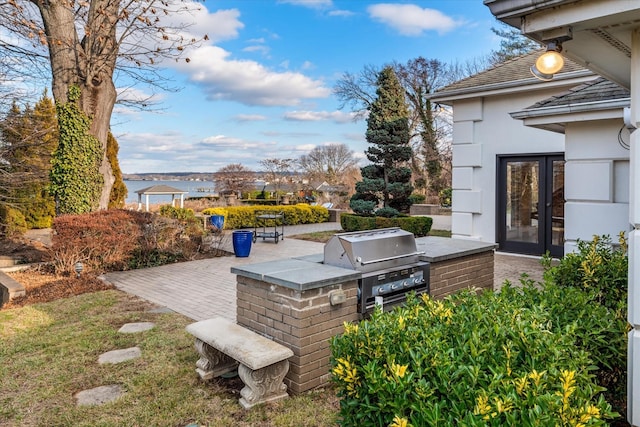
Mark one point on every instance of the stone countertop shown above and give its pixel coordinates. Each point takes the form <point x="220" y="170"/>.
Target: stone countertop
<point x="308" y="272"/>
<point x="442" y="248"/>
<point x="298" y="274"/>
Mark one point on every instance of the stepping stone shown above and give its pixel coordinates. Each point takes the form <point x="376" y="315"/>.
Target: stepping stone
<point x="99" y="395"/>
<point x="161" y="310"/>
<point x="130" y="328"/>
<point x="117" y="356"/>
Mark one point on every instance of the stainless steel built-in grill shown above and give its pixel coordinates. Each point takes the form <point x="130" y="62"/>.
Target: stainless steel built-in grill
<point x="388" y="260"/>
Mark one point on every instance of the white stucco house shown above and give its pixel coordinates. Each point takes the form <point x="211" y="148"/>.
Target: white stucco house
<point x="538" y="165"/>
<point x="512" y="141"/>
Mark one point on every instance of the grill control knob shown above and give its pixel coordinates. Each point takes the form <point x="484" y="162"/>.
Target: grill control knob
<point x="406" y="284"/>
<point x="395" y="286"/>
<point x="418" y="281"/>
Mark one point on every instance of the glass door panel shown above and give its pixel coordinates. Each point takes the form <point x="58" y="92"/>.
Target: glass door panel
<point x="557" y="203"/>
<point x="530" y="210"/>
<point x="522" y="202"/>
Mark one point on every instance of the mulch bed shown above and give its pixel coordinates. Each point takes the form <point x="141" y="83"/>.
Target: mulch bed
<point x="42" y="286"/>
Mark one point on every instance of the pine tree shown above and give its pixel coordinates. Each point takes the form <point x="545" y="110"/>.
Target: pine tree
<point x="119" y="190"/>
<point x="387" y="179"/>
<point x="29" y="138"/>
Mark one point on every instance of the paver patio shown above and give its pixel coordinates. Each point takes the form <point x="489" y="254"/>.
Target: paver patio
<point x="206" y="288"/>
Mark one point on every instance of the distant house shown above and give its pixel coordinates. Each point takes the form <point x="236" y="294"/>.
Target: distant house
<point x="538" y="165"/>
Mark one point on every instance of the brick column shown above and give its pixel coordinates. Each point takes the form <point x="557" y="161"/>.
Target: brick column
<point x="303" y="320"/>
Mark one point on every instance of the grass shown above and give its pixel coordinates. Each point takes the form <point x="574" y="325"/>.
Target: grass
<point x="440" y="233"/>
<point x="50" y="351"/>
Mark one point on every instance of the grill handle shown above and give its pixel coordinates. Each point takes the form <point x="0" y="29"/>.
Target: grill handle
<point x="373" y="261"/>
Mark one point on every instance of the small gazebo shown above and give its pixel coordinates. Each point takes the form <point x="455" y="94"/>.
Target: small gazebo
<point x="160" y="190"/>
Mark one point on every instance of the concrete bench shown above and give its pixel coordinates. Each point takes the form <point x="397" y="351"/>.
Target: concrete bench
<point x="262" y="364"/>
<point x="9" y="289"/>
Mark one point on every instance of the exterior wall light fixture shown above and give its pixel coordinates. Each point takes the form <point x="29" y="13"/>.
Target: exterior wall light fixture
<point x="549" y="62"/>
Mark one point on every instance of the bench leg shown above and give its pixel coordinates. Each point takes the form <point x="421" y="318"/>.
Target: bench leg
<point x="263" y="385"/>
<point x="212" y="363"/>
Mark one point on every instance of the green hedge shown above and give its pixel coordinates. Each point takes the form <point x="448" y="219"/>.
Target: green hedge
<point x="516" y="358"/>
<point x="244" y="216"/>
<point x="418" y="225"/>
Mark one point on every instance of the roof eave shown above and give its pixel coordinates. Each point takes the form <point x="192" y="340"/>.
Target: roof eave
<point x="583" y="107"/>
<point x="511" y="11"/>
<point x="555" y="119"/>
<point x="514" y="86"/>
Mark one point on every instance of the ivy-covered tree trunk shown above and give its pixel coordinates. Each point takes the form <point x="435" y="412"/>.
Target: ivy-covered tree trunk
<point x="76" y="182"/>
<point x="388" y="178"/>
<point x="88" y="64"/>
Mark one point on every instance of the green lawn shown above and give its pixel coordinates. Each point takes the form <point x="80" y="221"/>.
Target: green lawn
<point x="50" y="351"/>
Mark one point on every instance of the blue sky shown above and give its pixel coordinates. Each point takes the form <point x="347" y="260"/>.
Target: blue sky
<point x="261" y="87"/>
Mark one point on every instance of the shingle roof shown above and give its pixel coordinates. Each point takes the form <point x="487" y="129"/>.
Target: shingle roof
<point x="508" y="71"/>
<point x="599" y="89"/>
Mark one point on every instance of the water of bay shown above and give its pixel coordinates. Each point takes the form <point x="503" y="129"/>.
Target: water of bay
<point x="195" y="189"/>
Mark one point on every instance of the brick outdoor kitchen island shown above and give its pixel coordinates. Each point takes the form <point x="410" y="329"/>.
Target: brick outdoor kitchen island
<point x="301" y="303"/>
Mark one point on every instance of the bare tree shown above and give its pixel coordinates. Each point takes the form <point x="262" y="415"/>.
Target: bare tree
<point x="358" y="91"/>
<point x="276" y="171"/>
<point x="235" y="178"/>
<point x="86" y="41"/>
<point x="330" y="163"/>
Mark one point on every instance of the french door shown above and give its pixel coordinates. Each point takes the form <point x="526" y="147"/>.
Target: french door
<point x="530" y="210"/>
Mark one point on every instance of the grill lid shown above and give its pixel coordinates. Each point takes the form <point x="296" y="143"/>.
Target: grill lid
<point x="372" y="250"/>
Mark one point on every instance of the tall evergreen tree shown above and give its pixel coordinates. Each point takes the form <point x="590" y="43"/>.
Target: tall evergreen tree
<point x="119" y="190"/>
<point x="29" y="138"/>
<point x="387" y="179"/>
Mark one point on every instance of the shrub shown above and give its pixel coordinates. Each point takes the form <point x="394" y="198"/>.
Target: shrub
<point x="445" y="195"/>
<point x="186" y="217"/>
<point x="165" y="240"/>
<point x="362" y="207"/>
<point x="119" y="239"/>
<point x="12" y="221"/>
<point x="387" y="212"/>
<point x="599" y="270"/>
<point x="417" y="198"/>
<point x="452" y="363"/>
<point x="101" y="240"/>
<point x="245" y="216"/>
<point x="595" y="266"/>
<point x="418" y="225"/>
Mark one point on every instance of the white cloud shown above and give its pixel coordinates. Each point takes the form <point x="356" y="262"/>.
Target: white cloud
<point x="313" y="4"/>
<point x="249" y="117"/>
<point x="257" y="48"/>
<point x="278" y="134"/>
<point x="412" y="20"/>
<point x="314" y="116"/>
<point x="248" y="82"/>
<point x="219" y="25"/>
<point x="344" y="13"/>
<point x="308" y="65"/>
<point x="132" y="94"/>
<point x="303" y="147"/>
<point x="355" y="136"/>
<point x="147" y="142"/>
<point x="222" y="142"/>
